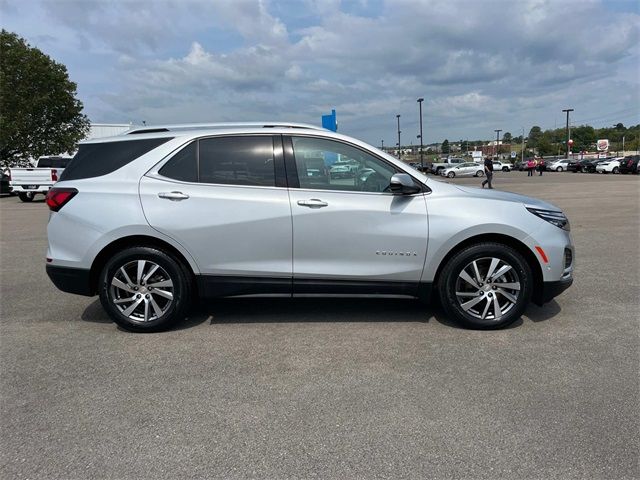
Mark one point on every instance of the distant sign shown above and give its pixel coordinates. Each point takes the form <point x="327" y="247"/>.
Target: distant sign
<point x="513" y="154"/>
<point x="476" y="154"/>
<point x="603" y="145"/>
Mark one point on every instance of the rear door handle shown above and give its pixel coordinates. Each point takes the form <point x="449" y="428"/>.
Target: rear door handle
<point x="312" y="203"/>
<point x="173" y="196"/>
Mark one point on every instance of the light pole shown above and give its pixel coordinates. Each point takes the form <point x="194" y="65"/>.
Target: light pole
<point x="382" y="144"/>
<point x="522" y="161"/>
<point x="568" y="131"/>
<point x="497" y="140"/>
<point x="420" y="100"/>
<point x="399" y="153"/>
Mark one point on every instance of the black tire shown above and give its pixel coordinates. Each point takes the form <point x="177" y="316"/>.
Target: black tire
<point x="479" y="173"/>
<point x="616" y="170"/>
<point x="26" y="196"/>
<point x="449" y="281"/>
<point x="559" y="169"/>
<point x="170" y="267"/>
<point x="451" y="174"/>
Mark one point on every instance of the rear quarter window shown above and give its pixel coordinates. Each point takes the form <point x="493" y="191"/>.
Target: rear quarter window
<point x="98" y="159"/>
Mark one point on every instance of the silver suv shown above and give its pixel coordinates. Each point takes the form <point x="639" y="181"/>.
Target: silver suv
<point x="157" y="217"/>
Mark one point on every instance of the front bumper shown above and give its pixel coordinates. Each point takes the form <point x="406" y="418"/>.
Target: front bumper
<point x="71" y="280"/>
<point x="550" y="290"/>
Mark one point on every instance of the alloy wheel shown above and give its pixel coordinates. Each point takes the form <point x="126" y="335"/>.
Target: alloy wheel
<point x="141" y="290"/>
<point x="487" y="288"/>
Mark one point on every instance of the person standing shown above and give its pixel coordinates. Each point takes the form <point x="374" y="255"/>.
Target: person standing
<point x="531" y="164"/>
<point x="541" y="166"/>
<point x="488" y="171"/>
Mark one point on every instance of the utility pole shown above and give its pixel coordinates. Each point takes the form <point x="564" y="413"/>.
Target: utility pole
<point x="420" y="100"/>
<point x="567" y="110"/>
<point x="623" y="145"/>
<point x="382" y="144"/>
<point x="399" y="152"/>
<point x="522" y="161"/>
<point x="497" y="140"/>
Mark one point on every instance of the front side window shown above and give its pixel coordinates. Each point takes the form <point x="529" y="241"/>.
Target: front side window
<point x="329" y="165"/>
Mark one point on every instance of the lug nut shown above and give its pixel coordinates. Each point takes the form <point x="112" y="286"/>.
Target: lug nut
<point x="494" y="287"/>
<point x="490" y="294"/>
<point x="135" y="288"/>
<point x="146" y="296"/>
<point x="138" y="295"/>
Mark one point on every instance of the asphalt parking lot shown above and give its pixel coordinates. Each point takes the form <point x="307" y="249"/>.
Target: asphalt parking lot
<point x="331" y="388"/>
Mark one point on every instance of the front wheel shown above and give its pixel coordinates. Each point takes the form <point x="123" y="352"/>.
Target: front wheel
<point x="559" y="169"/>
<point x="451" y="174"/>
<point x="26" y="196"/>
<point x="505" y="169"/>
<point x="485" y="286"/>
<point x="144" y="289"/>
<point x="616" y="170"/>
<point x="479" y="173"/>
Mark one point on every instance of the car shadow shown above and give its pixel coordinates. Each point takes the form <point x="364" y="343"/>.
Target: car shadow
<point x="319" y="310"/>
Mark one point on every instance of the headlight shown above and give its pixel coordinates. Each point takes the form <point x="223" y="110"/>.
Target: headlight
<point x="554" y="217"/>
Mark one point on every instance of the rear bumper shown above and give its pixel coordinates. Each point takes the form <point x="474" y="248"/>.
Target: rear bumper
<point x="71" y="280"/>
<point x="550" y="290"/>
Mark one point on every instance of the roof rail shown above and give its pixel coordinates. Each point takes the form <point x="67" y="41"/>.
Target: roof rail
<point x="202" y="126"/>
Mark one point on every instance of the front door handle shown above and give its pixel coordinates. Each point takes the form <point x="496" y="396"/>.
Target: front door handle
<point x="312" y="203"/>
<point x="173" y="196"/>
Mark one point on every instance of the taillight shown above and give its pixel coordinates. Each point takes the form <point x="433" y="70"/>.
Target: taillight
<point x="58" y="197"/>
<point x="54" y="175"/>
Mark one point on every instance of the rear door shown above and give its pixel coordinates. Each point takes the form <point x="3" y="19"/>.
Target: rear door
<point x="350" y="232"/>
<point x="225" y="200"/>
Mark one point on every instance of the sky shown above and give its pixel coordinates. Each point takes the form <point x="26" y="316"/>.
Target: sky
<point x="480" y="65"/>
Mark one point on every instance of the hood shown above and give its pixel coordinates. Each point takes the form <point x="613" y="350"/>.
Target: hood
<point x="507" y="197"/>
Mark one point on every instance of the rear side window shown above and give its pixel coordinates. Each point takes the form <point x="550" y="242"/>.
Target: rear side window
<point x="238" y="160"/>
<point x="97" y="159"/>
<point x="183" y="165"/>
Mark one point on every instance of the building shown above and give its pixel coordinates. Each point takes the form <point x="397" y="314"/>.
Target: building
<point x="100" y="130"/>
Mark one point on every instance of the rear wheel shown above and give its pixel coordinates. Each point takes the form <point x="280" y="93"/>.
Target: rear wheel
<point x="505" y="169"/>
<point x="26" y="196"/>
<point x="479" y="173"/>
<point x="616" y="170"/>
<point x="144" y="289"/>
<point x="486" y="286"/>
<point x="451" y="174"/>
<point x="559" y="169"/>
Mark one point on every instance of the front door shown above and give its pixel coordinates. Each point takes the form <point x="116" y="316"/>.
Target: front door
<point x="346" y="226"/>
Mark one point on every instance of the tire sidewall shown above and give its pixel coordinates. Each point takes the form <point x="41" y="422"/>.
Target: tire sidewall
<point x="173" y="267"/>
<point x="447" y="283"/>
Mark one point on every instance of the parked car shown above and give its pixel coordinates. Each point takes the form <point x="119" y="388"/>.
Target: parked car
<point x="28" y="182"/>
<point x="502" y="166"/>
<point x="470" y="169"/>
<point x="437" y="167"/>
<point x="578" y="165"/>
<point x="5" y="186"/>
<point x="557" y="165"/>
<point x="226" y="210"/>
<point x="590" y="167"/>
<point x="629" y="164"/>
<point x="609" y="166"/>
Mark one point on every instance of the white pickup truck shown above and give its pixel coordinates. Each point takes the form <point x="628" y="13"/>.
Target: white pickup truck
<point x="27" y="182"/>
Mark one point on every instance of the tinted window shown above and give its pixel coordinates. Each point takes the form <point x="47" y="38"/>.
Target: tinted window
<point x="97" y="159"/>
<point x="237" y="161"/>
<point x="53" y="162"/>
<point x="183" y="165"/>
<point x="329" y="165"/>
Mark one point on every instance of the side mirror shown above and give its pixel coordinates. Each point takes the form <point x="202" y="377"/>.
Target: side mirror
<point x="403" y="184"/>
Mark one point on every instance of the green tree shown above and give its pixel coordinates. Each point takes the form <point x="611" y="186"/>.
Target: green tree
<point x="445" y="146"/>
<point x="464" y="145"/>
<point x="534" y="136"/>
<point x="506" y="138"/>
<point x="39" y="113"/>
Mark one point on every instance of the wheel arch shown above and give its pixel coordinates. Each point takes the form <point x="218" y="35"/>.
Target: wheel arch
<point x="514" y="243"/>
<point x="132" y="241"/>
